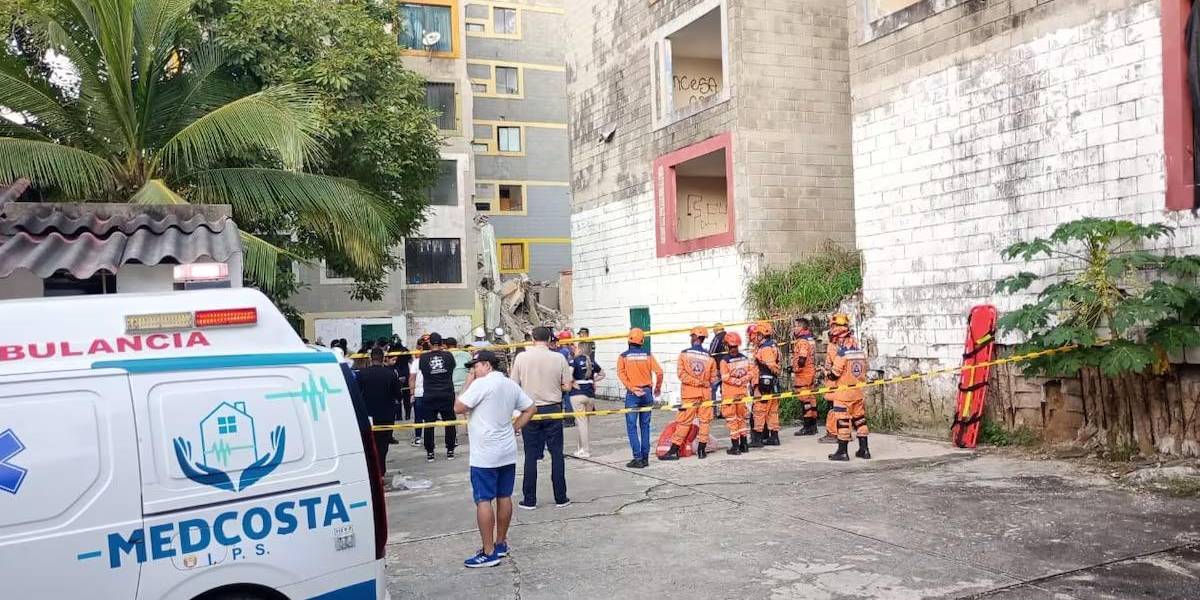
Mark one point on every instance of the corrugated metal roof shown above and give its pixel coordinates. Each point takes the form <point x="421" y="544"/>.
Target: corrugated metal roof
<point x="13" y="190"/>
<point x="85" y="238"/>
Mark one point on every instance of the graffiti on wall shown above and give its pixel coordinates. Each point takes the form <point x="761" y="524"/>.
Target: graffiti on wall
<point x="703" y="215"/>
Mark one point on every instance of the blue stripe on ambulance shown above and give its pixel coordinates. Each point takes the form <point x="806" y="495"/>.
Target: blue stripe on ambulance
<point x="358" y="591"/>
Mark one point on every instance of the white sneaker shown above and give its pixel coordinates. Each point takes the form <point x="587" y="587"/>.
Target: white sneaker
<point x="582" y="454"/>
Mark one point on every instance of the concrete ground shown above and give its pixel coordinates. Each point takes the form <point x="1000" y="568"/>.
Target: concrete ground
<point x="921" y="520"/>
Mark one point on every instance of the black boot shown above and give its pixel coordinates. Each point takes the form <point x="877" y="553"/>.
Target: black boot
<point x="810" y="427"/>
<point x="863" y="451"/>
<point x="701" y="452"/>
<point x="735" y="448"/>
<point x="672" y="454"/>
<point x="841" y="452"/>
<point x="773" y="440"/>
<point x="756" y="439"/>
<point x="744" y="445"/>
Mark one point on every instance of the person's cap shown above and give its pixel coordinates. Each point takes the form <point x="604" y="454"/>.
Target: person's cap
<point x="636" y="336"/>
<point x="435" y="339"/>
<point x="718" y="328"/>
<point x="732" y="339"/>
<point x="700" y="331"/>
<point x="486" y="356"/>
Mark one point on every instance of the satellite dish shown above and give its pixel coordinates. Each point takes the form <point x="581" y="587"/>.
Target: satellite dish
<point x="431" y="38"/>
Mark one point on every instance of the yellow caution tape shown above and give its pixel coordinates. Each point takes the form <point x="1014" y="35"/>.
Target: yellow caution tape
<point x="752" y="399"/>
<point x="593" y="338"/>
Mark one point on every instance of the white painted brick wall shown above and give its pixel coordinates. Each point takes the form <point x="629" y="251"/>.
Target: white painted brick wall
<point x="962" y="162"/>
<point x="681" y="291"/>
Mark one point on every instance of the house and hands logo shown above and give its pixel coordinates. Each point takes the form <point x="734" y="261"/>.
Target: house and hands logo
<point x="228" y="443"/>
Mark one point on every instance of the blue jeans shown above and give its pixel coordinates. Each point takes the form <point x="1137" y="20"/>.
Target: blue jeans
<point x="639" y="421"/>
<point x="537" y="437"/>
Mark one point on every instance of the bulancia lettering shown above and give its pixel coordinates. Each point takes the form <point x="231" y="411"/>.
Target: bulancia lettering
<point x="103" y="346"/>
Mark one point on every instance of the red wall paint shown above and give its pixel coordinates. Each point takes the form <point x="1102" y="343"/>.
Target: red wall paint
<point x="663" y="172"/>
<point x="1177" y="108"/>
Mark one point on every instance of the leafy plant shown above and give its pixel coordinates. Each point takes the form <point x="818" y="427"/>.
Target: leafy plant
<point x="994" y="434"/>
<point x="124" y="101"/>
<point x="883" y="418"/>
<point x="379" y="131"/>
<point x="817" y="283"/>
<point x="1122" y="306"/>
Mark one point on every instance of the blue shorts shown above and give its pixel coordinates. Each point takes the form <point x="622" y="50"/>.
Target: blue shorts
<point x="487" y="484"/>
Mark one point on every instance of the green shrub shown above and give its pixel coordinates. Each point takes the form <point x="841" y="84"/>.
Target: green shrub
<point x="817" y="283"/>
<point x="995" y="434"/>
<point x="1123" y="307"/>
<point x="884" y="419"/>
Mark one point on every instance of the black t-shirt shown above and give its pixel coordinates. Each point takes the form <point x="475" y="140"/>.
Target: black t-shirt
<point x="437" y="372"/>
<point x="380" y="388"/>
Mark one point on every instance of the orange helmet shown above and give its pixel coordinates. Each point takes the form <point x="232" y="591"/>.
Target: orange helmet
<point x="763" y="328"/>
<point x="636" y="336"/>
<point x="700" y="331"/>
<point x="840" y="319"/>
<point x="565" y="335"/>
<point x="732" y="339"/>
<point x="718" y="328"/>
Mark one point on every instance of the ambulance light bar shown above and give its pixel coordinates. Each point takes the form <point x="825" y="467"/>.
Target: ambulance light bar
<point x="229" y="317"/>
<point x="158" y="322"/>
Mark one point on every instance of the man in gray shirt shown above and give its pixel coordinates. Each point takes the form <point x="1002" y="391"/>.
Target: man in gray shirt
<point x="544" y="375"/>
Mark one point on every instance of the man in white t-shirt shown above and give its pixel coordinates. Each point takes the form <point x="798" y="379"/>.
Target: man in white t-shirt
<point x="490" y="402"/>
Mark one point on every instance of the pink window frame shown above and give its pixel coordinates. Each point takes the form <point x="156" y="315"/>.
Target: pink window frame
<point x="665" y="201"/>
<point x="1177" y="108"/>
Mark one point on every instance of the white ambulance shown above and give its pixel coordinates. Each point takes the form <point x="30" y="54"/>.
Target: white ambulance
<point x="181" y="446"/>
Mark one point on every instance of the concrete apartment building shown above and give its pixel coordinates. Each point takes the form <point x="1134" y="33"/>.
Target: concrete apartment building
<point x="977" y="124"/>
<point x="709" y="138"/>
<point x="969" y="125"/>
<point x="495" y="73"/>
<point x="516" y="67"/>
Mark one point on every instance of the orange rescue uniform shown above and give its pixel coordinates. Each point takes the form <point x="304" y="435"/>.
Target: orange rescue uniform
<point x="697" y="373"/>
<point x="738" y="374"/>
<point x="847" y="366"/>
<point x="638" y="370"/>
<point x="767" y="359"/>
<point x="804" y="370"/>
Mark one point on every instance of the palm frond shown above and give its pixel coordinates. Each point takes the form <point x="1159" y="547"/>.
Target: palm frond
<point x="34" y="99"/>
<point x="198" y="88"/>
<point x="11" y="129"/>
<point x="260" y="260"/>
<point x="156" y="25"/>
<point x="282" y="121"/>
<point x="79" y="174"/>
<point x="94" y="96"/>
<point x="110" y="46"/>
<point x="350" y="217"/>
<point x="156" y="191"/>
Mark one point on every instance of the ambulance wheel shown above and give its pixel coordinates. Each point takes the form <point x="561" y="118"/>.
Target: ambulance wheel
<point x="242" y="593"/>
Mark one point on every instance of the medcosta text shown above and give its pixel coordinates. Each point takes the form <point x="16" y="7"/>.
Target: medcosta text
<point x="227" y="529"/>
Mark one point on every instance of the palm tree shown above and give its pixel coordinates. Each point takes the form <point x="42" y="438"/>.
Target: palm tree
<point x="146" y="117"/>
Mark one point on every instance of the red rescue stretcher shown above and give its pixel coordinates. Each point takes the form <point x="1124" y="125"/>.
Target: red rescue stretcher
<point x="664" y="440"/>
<point x="972" y="385"/>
